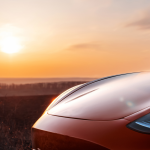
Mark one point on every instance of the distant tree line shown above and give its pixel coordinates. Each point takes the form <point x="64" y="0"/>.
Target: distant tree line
<point x="36" y="88"/>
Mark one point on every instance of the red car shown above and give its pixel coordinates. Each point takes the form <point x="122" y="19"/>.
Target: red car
<point x="109" y="113"/>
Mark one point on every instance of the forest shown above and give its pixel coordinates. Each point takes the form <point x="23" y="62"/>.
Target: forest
<point x="36" y="88"/>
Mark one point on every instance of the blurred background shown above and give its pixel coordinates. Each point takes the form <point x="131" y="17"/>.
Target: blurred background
<point x="73" y="38"/>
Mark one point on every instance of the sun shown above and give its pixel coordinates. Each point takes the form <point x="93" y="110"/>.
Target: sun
<point x="10" y="44"/>
<point x="10" y="39"/>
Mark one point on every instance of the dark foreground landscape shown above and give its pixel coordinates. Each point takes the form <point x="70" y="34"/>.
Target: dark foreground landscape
<point x="18" y="113"/>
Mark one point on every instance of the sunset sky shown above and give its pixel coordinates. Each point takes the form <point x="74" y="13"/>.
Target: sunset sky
<point x="73" y="38"/>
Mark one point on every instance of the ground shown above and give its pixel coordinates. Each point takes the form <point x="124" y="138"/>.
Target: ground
<point x="17" y="115"/>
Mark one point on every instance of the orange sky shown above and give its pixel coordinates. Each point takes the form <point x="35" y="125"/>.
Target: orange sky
<point x="73" y="38"/>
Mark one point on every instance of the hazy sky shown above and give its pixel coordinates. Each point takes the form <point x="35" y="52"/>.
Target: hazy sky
<point x="74" y="38"/>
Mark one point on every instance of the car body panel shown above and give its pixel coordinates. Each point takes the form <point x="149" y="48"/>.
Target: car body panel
<point x="138" y="114"/>
<point x="116" y="99"/>
<point x="109" y="134"/>
<point x="97" y="113"/>
<point x="43" y="140"/>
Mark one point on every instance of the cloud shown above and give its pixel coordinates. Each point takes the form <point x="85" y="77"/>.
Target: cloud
<point x="84" y="46"/>
<point x="142" y="23"/>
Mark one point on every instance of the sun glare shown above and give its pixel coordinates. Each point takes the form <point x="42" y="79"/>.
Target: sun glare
<point x="10" y="45"/>
<point x="10" y="42"/>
